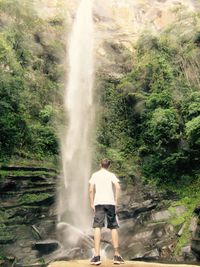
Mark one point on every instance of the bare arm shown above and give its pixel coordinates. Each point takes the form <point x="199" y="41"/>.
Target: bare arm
<point x="91" y="192"/>
<point x="116" y="192"/>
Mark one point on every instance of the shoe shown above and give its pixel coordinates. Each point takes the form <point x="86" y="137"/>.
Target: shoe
<point x="118" y="260"/>
<point x="95" y="260"/>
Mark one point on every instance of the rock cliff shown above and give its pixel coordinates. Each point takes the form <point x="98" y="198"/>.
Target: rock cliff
<point x="127" y="19"/>
<point x="27" y="215"/>
<point x="119" y="23"/>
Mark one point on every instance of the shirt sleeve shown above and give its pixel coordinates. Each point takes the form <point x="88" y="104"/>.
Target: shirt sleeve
<point x="114" y="179"/>
<point x="92" y="180"/>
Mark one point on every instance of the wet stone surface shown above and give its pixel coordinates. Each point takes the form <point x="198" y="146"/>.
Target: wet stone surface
<point x="28" y="230"/>
<point x="27" y="198"/>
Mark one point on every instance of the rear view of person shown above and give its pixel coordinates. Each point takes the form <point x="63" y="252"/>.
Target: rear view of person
<point x="103" y="200"/>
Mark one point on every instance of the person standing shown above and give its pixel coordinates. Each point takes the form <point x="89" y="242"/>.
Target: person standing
<point x="104" y="192"/>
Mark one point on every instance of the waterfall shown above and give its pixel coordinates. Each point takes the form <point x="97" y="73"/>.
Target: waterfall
<point x="73" y="199"/>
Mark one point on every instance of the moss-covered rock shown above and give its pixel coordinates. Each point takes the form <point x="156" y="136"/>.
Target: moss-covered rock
<point x="33" y="199"/>
<point x="27" y="197"/>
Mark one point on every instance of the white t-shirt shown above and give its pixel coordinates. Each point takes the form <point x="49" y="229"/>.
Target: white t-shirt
<point x="103" y="181"/>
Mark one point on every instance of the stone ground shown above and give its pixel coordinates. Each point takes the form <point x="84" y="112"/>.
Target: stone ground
<point x="108" y="263"/>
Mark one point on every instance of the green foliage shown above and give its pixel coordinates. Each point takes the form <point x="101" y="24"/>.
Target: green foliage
<point x="12" y="123"/>
<point x="151" y="117"/>
<point x="190" y="198"/>
<point x="155" y="100"/>
<point x="46" y="113"/>
<point x="32" y="198"/>
<point x="193" y="132"/>
<point x="43" y="140"/>
<point x="191" y="106"/>
<point x="161" y="73"/>
<point x="116" y="131"/>
<point x="163" y="126"/>
<point x="30" y="73"/>
<point x="9" y="63"/>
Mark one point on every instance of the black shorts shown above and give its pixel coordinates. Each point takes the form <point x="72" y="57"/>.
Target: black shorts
<point x="99" y="218"/>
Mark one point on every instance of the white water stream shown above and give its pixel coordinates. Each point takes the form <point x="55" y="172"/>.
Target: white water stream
<point x="76" y="144"/>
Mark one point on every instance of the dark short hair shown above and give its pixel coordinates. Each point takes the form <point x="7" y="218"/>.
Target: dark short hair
<point x="105" y="163"/>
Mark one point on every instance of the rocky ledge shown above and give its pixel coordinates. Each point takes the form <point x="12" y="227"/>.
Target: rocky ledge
<point x="149" y="229"/>
<point x="27" y="196"/>
<point x="107" y="263"/>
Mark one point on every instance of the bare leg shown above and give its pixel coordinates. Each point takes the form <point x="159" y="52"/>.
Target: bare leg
<point x="115" y="241"/>
<point x="97" y="238"/>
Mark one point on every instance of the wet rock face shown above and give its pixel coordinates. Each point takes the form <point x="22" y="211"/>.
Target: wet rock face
<point x="195" y="245"/>
<point x="28" y="229"/>
<point x="119" y="23"/>
<point x="146" y="231"/>
<point x="27" y="197"/>
<point x="143" y="229"/>
<point x="146" y="228"/>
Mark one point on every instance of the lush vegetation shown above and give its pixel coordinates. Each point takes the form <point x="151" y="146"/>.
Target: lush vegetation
<point x="30" y="72"/>
<point x="151" y="118"/>
<point x="149" y="122"/>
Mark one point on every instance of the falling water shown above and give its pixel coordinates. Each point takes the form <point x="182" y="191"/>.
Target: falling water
<point x="76" y="144"/>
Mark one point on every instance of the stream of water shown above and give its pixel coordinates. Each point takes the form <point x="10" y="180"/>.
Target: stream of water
<point x="73" y="206"/>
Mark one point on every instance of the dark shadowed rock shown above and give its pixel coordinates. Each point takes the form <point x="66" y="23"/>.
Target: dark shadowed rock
<point x="8" y="185"/>
<point x="46" y="247"/>
<point x="197" y="210"/>
<point x="196" y="241"/>
<point x="187" y="253"/>
<point x="133" y="209"/>
<point x="196" y="247"/>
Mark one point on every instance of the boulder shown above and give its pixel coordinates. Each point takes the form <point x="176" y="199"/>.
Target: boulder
<point x="134" y="209"/>
<point x="187" y="253"/>
<point x="193" y="225"/>
<point x="160" y="215"/>
<point x="197" y="210"/>
<point x="46" y="247"/>
<point x="196" y="240"/>
<point x="147" y="256"/>
<point x="196" y="247"/>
